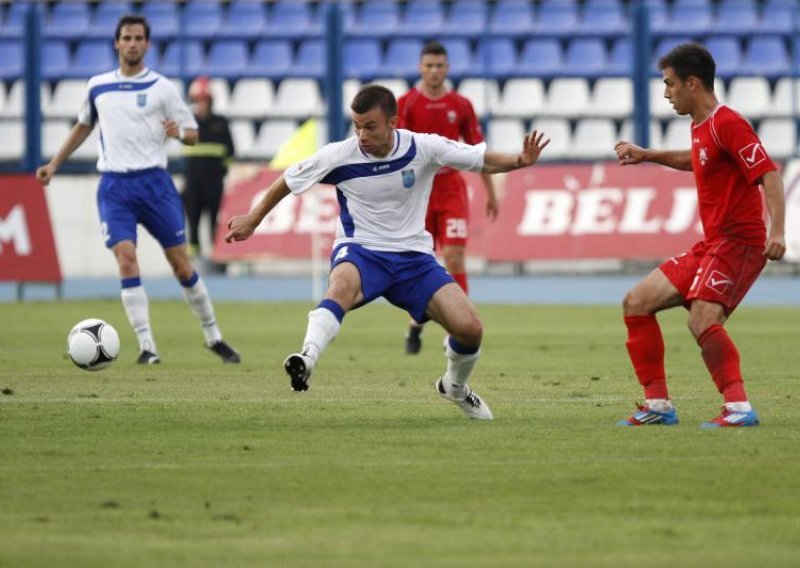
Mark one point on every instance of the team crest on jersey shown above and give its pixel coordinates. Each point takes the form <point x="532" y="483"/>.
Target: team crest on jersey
<point x="141" y="100"/>
<point x="409" y="177"/>
<point x="451" y="116"/>
<point x="703" y="156"/>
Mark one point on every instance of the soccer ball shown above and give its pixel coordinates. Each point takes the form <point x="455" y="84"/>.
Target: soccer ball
<point x="93" y="344"/>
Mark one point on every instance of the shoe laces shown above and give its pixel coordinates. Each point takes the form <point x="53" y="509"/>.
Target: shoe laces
<point x="473" y="400"/>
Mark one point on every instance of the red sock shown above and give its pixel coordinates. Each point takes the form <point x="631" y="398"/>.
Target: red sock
<point x="646" y="347"/>
<point x="461" y="280"/>
<point x="722" y="359"/>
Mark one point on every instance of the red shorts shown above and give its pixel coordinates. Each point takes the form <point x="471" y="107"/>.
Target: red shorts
<point x="721" y="272"/>
<point x="448" y="211"/>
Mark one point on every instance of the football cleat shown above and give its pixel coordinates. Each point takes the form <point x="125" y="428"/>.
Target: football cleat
<point x="148" y="358"/>
<point x="299" y="367"/>
<point x="471" y="405"/>
<point x="414" y="340"/>
<point x="733" y="419"/>
<point x="647" y="417"/>
<point x="227" y="353"/>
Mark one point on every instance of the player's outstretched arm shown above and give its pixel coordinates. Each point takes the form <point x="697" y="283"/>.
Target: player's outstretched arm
<point x="773" y="194"/>
<point x="629" y="154"/>
<point x="76" y="137"/>
<point x="532" y="146"/>
<point x="240" y="227"/>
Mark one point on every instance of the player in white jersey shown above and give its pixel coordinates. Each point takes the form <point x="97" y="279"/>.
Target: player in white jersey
<point x="383" y="178"/>
<point x="137" y="111"/>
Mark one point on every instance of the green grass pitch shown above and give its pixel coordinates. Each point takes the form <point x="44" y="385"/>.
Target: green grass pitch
<point x="196" y="463"/>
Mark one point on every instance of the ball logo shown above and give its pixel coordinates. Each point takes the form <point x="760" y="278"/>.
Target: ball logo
<point x="719" y="282"/>
<point x="753" y="154"/>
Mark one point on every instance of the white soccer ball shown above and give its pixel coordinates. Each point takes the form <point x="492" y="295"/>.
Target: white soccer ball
<point x="93" y="344"/>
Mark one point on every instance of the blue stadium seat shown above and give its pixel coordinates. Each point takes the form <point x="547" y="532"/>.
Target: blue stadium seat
<point x="557" y="19"/>
<point x="11" y="59"/>
<point x="459" y="55"/>
<point x="585" y="57"/>
<point x="658" y="15"/>
<point x="777" y="16"/>
<point x="691" y="17"/>
<point x="603" y="19"/>
<point x="727" y="53"/>
<point x="466" y="18"/>
<point x="55" y="59"/>
<point x="67" y="20"/>
<point x="164" y="19"/>
<point x="377" y="18"/>
<point x="738" y="17"/>
<point x="271" y="58"/>
<point x="766" y="56"/>
<point x="227" y="59"/>
<point x="244" y="19"/>
<point x="402" y="58"/>
<point x="361" y="58"/>
<point x="512" y="18"/>
<point x="310" y="60"/>
<point x="93" y="57"/>
<point x="496" y="58"/>
<point x="201" y="20"/>
<point x="292" y="20"/>
<point x="620" y="62"/>
<point x="13" y="24"/>
<point x="540" y="58"/>
<point x="105" y="18"/>
<point x="170" y="64"/>
<point x="421" y="18"/>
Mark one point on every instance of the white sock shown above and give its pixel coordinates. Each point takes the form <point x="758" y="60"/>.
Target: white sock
<point x="137" y="308"/>
<point x="323" y="327"/>
<point x="459" y="368"/>
<point x="200" y="301"/>
<point x="658" y="404"/>
<point x="739" y="406"/>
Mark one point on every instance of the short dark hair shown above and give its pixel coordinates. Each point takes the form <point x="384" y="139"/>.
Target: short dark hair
<point x="371" y="96"/>
<point x="689" y="59"/>
<point x="132" y="20"/>
<point x="433" y="48"/>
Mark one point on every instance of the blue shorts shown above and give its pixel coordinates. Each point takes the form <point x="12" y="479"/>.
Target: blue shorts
<point x="407" y="279"/>
<point x="148" y="197"/>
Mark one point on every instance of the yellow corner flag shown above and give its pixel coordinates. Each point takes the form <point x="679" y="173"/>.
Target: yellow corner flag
<point x="300" y="146"/>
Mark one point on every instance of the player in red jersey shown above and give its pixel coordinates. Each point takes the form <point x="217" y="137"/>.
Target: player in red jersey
<point x="431" y="108"/>
<point x="729" y="165"/>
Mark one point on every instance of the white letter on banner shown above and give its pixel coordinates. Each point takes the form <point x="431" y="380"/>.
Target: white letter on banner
<point x="596" y="211"/>
<point x="279" y="220"/>
<point x="683" y="212"/>
<point x="14" y="229"/>
<point x="634" y="216"/>
<point x="547" y="212"/>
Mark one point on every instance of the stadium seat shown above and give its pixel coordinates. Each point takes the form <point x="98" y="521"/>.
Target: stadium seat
<point x="13" y="25"/>
<point x="568" y="97"/>
<point x="361" y="58"/>
<point x="521" y="98"/>
<point x="785" y="97"/>
<point x="12" y="58"/>
<point x="656" y="136"/>
<point x="201" y="20"/>
<point x="585" y="57"/>
<point x="505" y="135"/>
<point x="727" y="55"/>
<point x="220" y="93"/>
<point x="621" y="60"/>
<point x="92" y="57"/>
<point x="496" y="57"/>
<point x="750" y="96"/>
<point x="484" y="94"/>
<point x="227" y="58"/>
<point x="402" y="58"/>
<point x="777" y="17"/>
<point x="739" y="17"/>
<point x="511" y="18"/>
<point x="557" y="19"/>
<point x="779" y="137"/>
<point x="766" y="56"/>
<point x="297" y="98"/>
<point x="66" y="100"/>
<point x="605" y="18"/>
<point x="421" y="18"/>
<point x="271" y="58"/>
<point x="540" y="58"/>
<point x="658" y="15"/>
<point x="398" y="86"/>
<point x="12" y="133"/>
<point x="194" y="59"/>
<point x="594" y="138"/>
<point x="244" y="20"/>
<point x="54" y="132"/>
<point x="558" y="131"/>
<point x="243" y="134"/>
<point x="291" y="19"/>
<point x="2" y="98"/>
<point x="271" y="136"/>
<point x="465" y="18"/>
<point x="677" y="135"/>
<point x="310" y="60"/>
<point x="691" y="17"/>
<point x="67" y="20"/>
<point x="377" y="18"/>
<point x="251" y="98"/>
<point x="15" y="99"/>
<point x="55" y="59"/>
<point x="612" y="97"/>
<point x="105" y="18"/>
<point x="164" y="19"/>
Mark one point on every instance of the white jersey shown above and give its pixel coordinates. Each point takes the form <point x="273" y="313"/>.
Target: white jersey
<point x="130" y="111"/>
<point x="383" y="201"/>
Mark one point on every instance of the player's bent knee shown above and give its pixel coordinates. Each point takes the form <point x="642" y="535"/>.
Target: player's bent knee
<point x="633" y="304"/>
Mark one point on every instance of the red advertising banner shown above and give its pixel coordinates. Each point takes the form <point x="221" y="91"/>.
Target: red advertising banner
<point x="548" y="212"/>
<point x="27" y="249"/>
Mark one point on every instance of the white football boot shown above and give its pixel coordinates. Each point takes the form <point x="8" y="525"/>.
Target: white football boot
<point x="471" y="404"/>
<point x="299" y="367"/>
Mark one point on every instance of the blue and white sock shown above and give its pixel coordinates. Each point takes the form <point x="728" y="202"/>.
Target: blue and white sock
<point x="324" y="323"/>
<point x="195" y="292"/>
<point x="137" y="308"/>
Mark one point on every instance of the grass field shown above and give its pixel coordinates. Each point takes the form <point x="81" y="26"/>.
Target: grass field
<point x="193" y="463"/>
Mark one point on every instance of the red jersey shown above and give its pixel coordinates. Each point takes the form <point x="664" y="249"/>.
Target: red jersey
<point x="728" y="160"/>
<point x="451" y="116"/>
